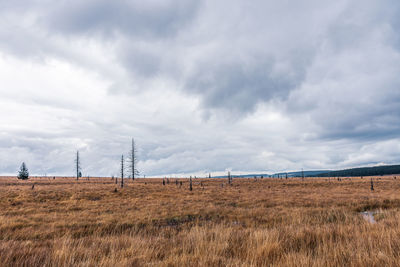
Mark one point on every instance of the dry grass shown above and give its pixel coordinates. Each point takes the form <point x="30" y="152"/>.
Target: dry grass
<point x="275" y="222"/>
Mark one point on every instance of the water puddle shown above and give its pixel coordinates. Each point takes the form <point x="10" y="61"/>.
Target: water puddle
<point x="369" y="216"/>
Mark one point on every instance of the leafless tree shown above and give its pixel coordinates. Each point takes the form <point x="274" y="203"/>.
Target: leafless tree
<point x="122" y="171"/>
<point x="133" y="161"/>
<point x="78" y="165"/>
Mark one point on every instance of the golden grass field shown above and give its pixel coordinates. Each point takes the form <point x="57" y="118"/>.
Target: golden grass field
<point x="263" y="222"/>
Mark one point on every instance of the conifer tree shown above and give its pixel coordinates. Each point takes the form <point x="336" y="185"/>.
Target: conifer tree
<point x="23" y="173"/>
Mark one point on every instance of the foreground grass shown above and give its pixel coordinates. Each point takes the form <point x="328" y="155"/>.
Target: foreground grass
<point x="279" y="222"/>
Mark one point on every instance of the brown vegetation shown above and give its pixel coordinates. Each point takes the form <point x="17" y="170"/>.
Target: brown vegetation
<point x="279" y="222"/>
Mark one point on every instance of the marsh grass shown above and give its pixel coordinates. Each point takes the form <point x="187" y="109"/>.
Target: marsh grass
<point x="264" y="222"/>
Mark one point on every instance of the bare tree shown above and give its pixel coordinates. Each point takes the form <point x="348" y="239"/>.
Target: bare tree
<point x="133" y="161"/>
<point x="122" y="171"/>
<point x="78" y="165"/>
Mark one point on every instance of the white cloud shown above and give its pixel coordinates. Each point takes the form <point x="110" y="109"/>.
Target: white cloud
<point x="203" y="86"/>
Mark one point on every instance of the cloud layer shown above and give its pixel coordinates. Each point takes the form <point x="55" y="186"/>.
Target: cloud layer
<point x="203" y="86"/>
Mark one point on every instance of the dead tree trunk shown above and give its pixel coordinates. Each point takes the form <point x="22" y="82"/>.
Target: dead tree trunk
<point x="122" y="171"/>
<point x="78" y="165"/>
<point x="133" y="161"/>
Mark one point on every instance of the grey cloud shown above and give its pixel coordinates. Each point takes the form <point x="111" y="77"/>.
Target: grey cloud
<point x="149" y="19"/>
<point x="238" y="87"/>
<point x="239" y="72"/>
<point x="352" y="90"/>
<point x="140" y="61"/>
<point x="330" y="70"/>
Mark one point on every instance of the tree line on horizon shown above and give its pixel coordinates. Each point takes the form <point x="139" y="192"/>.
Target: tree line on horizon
<point x="363" y="171"/>
<point x="131" y="166"/>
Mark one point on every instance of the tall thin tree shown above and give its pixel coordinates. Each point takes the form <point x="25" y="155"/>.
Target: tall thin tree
<point x="78" y="165"/>
<point x="122" y="171"/>
<point x="133" y="161"/>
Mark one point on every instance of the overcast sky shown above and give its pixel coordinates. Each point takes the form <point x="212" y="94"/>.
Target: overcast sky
<point x="202" y="85"/>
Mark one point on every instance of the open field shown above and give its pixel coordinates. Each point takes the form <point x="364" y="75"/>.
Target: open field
<point x="279" y="222"/>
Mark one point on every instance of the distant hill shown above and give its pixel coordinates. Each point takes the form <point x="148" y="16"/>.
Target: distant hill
<point x="363" y="171"/>
<point x="300" y="173"/>
<point x="276" y="175"/>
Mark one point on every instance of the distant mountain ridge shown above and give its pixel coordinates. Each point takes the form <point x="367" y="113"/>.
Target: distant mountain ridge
<point x="363" y="171"/>
<point x="276" y="175"/>
<point x="359" y="171"/>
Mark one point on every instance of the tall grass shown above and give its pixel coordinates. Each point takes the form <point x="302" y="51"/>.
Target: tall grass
<point x="277" y="222"/>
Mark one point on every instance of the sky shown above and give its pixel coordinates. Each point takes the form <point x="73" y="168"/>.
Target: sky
<point x="203" y="86"/>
